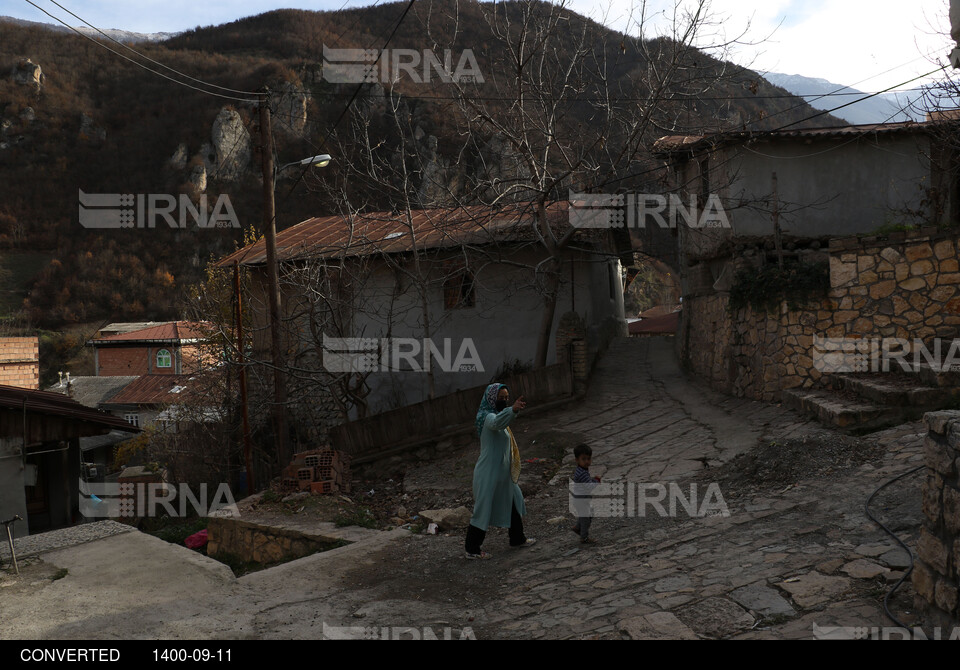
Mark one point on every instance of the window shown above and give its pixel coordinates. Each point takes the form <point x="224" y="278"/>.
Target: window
<point x="704" y="194"/>
<point x="164" y="359"/>
<point x="459" y="291"/>
<point x="132" y="419"/>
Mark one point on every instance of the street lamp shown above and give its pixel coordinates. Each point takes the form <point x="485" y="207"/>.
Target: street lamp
<point x="273" y="280"/>
<point x="323" y="160"/>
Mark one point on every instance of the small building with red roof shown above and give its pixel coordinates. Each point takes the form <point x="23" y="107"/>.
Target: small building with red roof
<point x="171" y="348"/>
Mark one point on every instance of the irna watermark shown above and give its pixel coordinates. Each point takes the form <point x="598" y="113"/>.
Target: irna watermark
<point x="839" y="354"/>
<point x="150" y="210"/>
<point x="630" y="210"/>
<point x="631" y="499"/>
<point x="881" y="633"/>
<point x="395" y="633"/>
<point x="398" y="354"/>
<point x="357" y="66"/>
<point x="114" y="500"/>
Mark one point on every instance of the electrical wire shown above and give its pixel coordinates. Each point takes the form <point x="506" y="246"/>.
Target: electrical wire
<point x="145" y="57"/>
<point x="679" y="98"/>
<point x="855" y="138"/>
<point x="776" y="130"/>
<point x="141" y="65"/>
<point x="346" y="109"/>
<point x="866" y="508"/>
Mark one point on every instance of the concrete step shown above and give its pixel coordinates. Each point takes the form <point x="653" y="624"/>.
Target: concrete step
<point x="931" y="376"/>
<point x="838" y="410"/>
<point x="897" y="391"/>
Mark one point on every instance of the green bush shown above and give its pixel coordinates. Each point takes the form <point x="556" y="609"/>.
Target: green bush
<point x="765" y="288"/>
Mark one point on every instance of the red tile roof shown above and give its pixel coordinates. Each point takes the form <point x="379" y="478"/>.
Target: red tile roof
<point x="387" y="232"/>
<point x="169" y="389"/>
<point x="659" y="325"/>
<point x="659" y="310"/>
<point x="175" y="331"/>
<point x="152" y="390"/>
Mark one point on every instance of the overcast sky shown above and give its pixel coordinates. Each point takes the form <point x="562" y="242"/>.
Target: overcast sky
<point x="849" y="42"/>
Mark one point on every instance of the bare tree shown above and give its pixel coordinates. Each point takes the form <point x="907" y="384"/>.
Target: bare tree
<point x="569" y="105"/>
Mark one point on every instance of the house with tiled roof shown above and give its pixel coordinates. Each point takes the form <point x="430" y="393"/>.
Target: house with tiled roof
<point x="469" y="279"/>
<point x="171" y="348"/>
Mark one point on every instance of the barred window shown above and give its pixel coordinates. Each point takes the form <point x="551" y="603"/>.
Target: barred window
<point x="459" y="291"/>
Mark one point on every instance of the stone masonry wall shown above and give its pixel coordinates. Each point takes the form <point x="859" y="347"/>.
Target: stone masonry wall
<point x="905" y="285"/>
<point x="261" y="544"/>
<point x="936" y="574"/>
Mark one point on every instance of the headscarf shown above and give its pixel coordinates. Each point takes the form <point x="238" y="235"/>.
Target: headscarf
<point x="488" y="405"/>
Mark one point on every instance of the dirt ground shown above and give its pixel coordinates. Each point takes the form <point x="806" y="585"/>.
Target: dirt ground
<point x="396" y="497"/>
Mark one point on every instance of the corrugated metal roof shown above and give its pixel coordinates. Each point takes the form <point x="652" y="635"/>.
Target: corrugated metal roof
<point x="174" y="331"/>
<point x="126" y="327"/>
<point x="97" y="441"/>
<point x="169" y="389"/>
<point x="91" y="391"/>
<point x="682" y="143"/>
<point x="389" y="233"/>
<point x="57" y="404"/>
<point x="152" y="390"/>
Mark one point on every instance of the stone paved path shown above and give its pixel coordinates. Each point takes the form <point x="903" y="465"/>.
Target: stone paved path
<point x="775" y="567"/>
<point x="781" y="565"/>
<point x="784" y="563"/>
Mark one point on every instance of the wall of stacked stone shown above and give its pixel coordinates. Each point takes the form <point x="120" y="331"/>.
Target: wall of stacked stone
<point x="905" y="285"/>
<point x="571" y="347"/>
<point x="261" y="544"/>
<point x="936" y="573"/>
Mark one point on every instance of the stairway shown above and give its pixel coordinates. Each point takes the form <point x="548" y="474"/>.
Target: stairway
<point x="859" y="403"/>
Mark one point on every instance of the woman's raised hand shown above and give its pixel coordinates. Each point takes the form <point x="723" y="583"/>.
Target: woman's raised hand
<point x="519" y="404"/>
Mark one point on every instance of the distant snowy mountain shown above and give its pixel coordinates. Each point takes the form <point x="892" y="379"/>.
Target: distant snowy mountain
<point x="884" y="108"/>
<point x="119" y="35"/>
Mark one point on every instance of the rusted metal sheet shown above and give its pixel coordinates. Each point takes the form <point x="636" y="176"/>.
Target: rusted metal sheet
<point x="371" y="233"/>
<point x="684" y="143"/>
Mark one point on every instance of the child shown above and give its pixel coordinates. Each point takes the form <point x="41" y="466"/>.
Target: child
<point x="583" y="483"/>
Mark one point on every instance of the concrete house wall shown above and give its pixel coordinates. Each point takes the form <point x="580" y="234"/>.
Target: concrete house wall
<point x="826" y="187"/>
<point x="847" y="187"/>
<point x="503" y="325"/>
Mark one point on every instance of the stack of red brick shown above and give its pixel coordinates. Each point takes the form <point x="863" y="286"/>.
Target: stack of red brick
<point x="318" y="471"/>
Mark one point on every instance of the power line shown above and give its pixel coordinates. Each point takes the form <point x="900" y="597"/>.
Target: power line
<point x="813" y="116"/>
<point x="872" y="95"/>
<point x="678" y="98"/>
<point x="145" y="57"/>
<point x="353" y="98"/>
<point x="141" y="65"/>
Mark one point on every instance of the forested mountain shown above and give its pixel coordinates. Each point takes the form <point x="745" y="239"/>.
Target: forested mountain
<point x="76" y="117"/>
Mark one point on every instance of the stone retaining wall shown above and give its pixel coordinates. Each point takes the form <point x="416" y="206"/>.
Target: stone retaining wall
<point x="936" y="574"/>
<point x="261" y="544"/>
<point x="903" y="286"/>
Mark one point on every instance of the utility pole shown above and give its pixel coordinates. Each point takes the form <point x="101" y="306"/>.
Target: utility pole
<point x="273" y="281"/>
<point x="247" y="447"/>
<point x="777" y="233"/>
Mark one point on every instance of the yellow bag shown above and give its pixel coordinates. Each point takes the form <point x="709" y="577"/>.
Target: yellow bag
<point x="514" y="457"/>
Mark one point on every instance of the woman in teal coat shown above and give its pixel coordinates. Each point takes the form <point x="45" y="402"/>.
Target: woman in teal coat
<point x="497" y="498"/>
